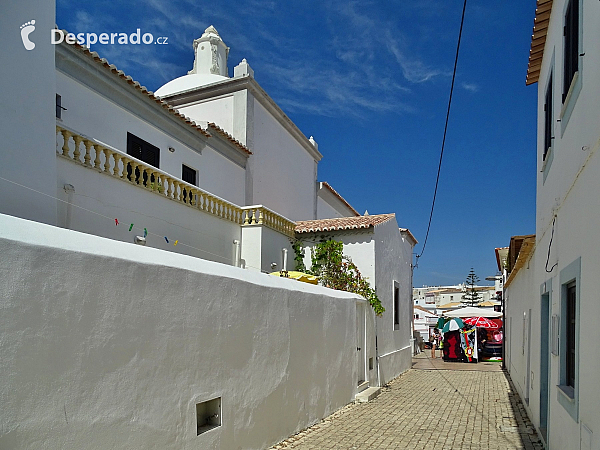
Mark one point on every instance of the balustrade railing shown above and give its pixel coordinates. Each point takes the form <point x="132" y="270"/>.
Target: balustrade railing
<point x="93" y="154"/>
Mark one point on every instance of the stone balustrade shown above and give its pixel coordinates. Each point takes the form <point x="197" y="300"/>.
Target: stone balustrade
<point x="94" y="155"/>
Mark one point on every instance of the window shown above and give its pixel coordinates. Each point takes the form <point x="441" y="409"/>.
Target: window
<point x="548" y="119"/>
<point x="570" y="335"/>
<point x="571" y="48"/>
<point x="59" y="107"/>
<point x="570" y="305"/>
<point x="396" y="306"/>
<point x="144" y="151"/>
<point x="188" y="175"/>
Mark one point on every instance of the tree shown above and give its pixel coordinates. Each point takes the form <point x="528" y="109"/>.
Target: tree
<point x="471" y="297"/>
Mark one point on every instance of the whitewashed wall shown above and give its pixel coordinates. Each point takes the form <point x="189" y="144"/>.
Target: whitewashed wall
<point x="98" y="116"/>
<point x="568" y="188"/>
<point x="27" y="112"/>
<point x="110" y="345"/>
<point x="99" y="199"/>
<point x="218" y="110"/>
<point x="521" y="305"/>
<point x="285" y="174"/>
<point x="393" y="258"/>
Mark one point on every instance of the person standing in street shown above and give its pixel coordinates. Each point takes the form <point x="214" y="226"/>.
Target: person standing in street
<point x="435" y="342"/>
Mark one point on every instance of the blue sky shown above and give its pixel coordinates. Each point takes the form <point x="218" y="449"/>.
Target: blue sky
<point x="370" y="81"/>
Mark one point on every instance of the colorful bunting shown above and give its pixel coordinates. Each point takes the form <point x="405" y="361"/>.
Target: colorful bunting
<point x="176" y="242"/>
<point x="130" y="227"/>
<point x="116" y="222"/>
<point x="145" y="232"/>
<point x="166" y="240"/>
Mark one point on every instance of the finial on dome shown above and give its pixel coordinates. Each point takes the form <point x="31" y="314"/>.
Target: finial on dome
<point x="211" y="54"/>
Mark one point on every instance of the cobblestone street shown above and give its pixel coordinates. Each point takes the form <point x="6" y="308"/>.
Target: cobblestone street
<point x="434" y="405"/>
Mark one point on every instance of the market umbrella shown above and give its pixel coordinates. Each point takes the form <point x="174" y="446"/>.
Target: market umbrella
<point x="481" y="322"/>
<point x="471" y="311"/>
<point x="453" y="324"/>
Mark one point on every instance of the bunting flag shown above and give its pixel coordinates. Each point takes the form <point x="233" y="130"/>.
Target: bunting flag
<point x="116" y="222"/>
<point x="166" y="240"/>
<point x="130" y="227"/>
<point x="145" y="232"/>
<point x="176" y="242"/>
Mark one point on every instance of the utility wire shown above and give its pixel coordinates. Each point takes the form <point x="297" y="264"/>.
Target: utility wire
<point x="437" y="180"/>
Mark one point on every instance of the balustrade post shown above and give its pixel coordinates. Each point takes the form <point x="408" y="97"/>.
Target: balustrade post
<point x="66" y="136"/>
<point x="88" y="149"/>
<point x="98" y="150"/>
<point x="76" y="153"/>
<point x="116" y="169"/>
<point x="107" y="154"/>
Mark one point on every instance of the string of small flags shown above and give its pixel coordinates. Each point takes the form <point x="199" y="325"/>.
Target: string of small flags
<point x="117" y="223"/>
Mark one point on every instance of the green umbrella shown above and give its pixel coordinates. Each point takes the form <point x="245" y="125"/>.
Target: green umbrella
<point x="440" y="323"/>
<point x="453" y="324"/>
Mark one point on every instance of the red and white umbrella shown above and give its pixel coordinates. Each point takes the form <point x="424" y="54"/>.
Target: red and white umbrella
<point x="481" y="322"/>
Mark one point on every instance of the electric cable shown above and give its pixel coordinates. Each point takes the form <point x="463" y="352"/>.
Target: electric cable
<point x="437" y="180"/>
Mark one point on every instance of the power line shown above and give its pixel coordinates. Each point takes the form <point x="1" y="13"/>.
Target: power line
<point x="437" y="180"/>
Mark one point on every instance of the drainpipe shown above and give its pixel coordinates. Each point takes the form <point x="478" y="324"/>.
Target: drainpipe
<point x="284" y="253"/>
<point x="236" y="259"/>
<point x="69" y="189"/>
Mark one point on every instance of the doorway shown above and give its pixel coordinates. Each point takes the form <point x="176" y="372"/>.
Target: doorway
<point x="360" y="344"/>
<point x="544" y="365"/>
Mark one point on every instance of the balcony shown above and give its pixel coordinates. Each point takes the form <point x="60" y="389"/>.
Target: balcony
<point x="110" y="184"/>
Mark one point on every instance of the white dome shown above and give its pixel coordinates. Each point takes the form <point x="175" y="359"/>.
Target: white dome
<point x="187" y="82"/>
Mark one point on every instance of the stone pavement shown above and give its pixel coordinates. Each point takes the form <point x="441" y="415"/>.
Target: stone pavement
<point x="435" y="405"/>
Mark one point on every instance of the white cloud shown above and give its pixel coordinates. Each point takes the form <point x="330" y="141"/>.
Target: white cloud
<point x="471" y="87"/>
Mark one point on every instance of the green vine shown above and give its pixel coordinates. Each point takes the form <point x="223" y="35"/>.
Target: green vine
<point x="337" y="271"/>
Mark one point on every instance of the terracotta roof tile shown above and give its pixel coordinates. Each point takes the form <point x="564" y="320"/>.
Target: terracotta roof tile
<point x="229" y="137"/>
<point x="342" y="223"/>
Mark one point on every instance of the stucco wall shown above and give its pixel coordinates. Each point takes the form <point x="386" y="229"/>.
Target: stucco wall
<point x="284" y="173"/>
<point x="567" y="189"/>
<point x="99" y="117"/>
<point x="393" y="258"/>
<point x="110" y="345"/>
<point x="27" y="112"/>
<point x="99" y="199"/>
<point x="218" y="110"/>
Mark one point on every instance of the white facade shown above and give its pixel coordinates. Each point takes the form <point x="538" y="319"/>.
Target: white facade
<point x="383" y="254"/>
<point x="564" y="266"/>
<point x="106" y="344"/>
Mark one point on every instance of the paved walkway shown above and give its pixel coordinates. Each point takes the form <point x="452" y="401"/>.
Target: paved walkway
<point x="435" y="405"/>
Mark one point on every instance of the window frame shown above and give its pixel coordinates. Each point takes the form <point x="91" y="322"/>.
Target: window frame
<point x="572" y="61"/>
<point x="568" y="388"/>
<point x="146" y="149"/>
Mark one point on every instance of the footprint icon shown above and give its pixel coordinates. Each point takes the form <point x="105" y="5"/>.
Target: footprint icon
<point x="26" y="29"/>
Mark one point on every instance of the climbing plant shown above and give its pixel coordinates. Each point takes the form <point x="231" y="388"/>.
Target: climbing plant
<point x="298" y="248"/>
<point x="337" y="271"/>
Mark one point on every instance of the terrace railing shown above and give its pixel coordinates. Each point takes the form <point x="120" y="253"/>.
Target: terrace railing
<point x="93" y="154"/>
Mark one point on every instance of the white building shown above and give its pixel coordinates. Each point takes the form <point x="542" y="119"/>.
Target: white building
<point x="551" y="292"/>
<point x="383" y="253"/>
<point x="433" y="297"/>
<point x="282" y="174"/>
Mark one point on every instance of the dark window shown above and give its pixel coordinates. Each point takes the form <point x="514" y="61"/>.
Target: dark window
<point x="570" y="335"/>
<point x="59" y="108"/>
<point x="144" y="151"/>
<point x="396" y="304"/>
<point x="571" y="50"/>
<point x="548" y="118"/>
<point x="189" y="176"/>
